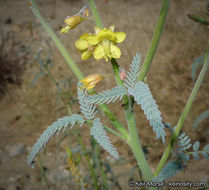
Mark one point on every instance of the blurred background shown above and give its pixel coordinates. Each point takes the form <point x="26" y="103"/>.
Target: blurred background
<point x="30" y="101"/>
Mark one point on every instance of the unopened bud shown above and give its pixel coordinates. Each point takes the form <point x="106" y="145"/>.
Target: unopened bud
<point x="122" y="73"/>
<point x="73" y="21"/>
<point x="91" y="81"/>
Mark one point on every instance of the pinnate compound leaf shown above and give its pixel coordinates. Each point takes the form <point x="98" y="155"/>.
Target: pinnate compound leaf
<point x="107" y="96"/>
<point x="170" y="169"/>
<point x="184" y="142"/>
<point x="99" y="134"/>
<point x="133" y="71"/>
<point x="143" y="97"/>
<point x="88" y="109"/>
<point x="56" y="127"/>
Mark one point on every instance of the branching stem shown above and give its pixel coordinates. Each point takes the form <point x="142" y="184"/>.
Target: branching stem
<point x="184" y="113"/>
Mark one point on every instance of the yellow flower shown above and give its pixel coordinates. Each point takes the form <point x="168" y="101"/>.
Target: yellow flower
<point x="71" y="22"/>
<point x="91" y="81"/>
<point x="105" y="41"/>
<point x="83" y="45"/>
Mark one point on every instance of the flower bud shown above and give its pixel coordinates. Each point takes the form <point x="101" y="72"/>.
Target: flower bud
<point x="122" y="73"/>
<point x="65" y="30"/>
<point x="73" y="21"/>
<point x="91" y="81"/>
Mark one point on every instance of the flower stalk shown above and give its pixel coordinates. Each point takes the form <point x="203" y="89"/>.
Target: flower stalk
<point x="95" y="14"/>
<point x="155" y="40"/>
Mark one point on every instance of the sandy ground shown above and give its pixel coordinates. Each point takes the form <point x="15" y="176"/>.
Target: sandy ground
<point x="26" y="111"/>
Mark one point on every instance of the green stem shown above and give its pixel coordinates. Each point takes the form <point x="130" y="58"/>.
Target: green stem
<point x="92" y="171"/>
<point x="155" y="40"/>
<point x="184" y="113"/>
<point x="95" y="14"/>
<point x="122" y="137"/>
<point x="114" y="120"/>
<point x="115" y="67"/>
<point x="133" y="133"/>
<point x="136" y="147"/>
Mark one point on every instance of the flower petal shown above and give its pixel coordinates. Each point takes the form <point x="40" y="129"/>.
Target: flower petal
<point x="84" y="36"/>
<point x="106" y="34"/>
<point x="115" y="51"/>
<point x="81" y="44"/>
<point x="112" y="27"/>
<point x="86" y="54"/>
<point x="99" y="52"/>
<point x="120" y="37"/>
<point x="92" y="40"/>
<point x="97" y="30"/>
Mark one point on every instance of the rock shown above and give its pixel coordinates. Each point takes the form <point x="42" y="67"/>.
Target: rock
<point x="58" y="175"/>
<point x="16" y="149"/>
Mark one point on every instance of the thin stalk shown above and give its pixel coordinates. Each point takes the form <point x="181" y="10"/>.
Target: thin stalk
<point x="120" y="135"/>
<point x="104" y="176"/>
<point x="43" y="171"/>
<point x="73" y="65"/>
<point x="155" y="40"/>
<point x="92" y="171"/>
<point x="184" y="113"/>
<point x="95" y="14"/>
<point x="127" y="139"/>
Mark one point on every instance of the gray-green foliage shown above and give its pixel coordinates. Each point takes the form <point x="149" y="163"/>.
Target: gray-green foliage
<point x="88" y="109"/>
<point x="184" y="142"/>
<point x="98" y="132"/>
<point x="204" y="152"/>
<point x="200" y="118"/>
<point x="143" y="97"/>
<point x="56" y="127"/>
<point x="133" y="71"/>
<point x="107" y="96"/>
<point x="170" y="169"/>
<point x="183" y="146"/>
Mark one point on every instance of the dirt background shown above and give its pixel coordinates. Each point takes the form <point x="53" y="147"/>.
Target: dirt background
<point x="25" y="111"/>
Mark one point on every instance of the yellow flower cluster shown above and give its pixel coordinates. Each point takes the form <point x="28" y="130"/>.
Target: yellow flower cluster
<point x="102" y="44"/>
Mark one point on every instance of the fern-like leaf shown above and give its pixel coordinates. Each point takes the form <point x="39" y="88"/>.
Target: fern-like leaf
<point x="143" y="97"/>
<point x="107" y="96"/>
<point x="195" y="65"/>
<point x="184" y="142"/>
<point x="170" y="169"/>
<point x="98" y="132"/>
<point x="56" y="127"/>
<point x="133" y="71"/>
<point x="200" y="118"/>
<point x="88" y="109"/>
